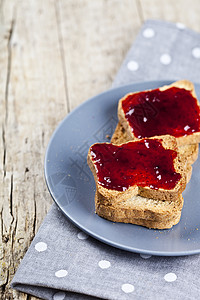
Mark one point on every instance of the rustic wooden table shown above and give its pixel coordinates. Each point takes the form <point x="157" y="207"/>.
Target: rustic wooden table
<point x="54" y="54"/>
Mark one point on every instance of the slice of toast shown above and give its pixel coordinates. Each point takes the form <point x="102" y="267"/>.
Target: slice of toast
<point x="184" y="139"/>
<point x="179" y="163"/>
<point x="138" y="207"/>
<point x="190" y="152"/>
<point x="141" y="211"/>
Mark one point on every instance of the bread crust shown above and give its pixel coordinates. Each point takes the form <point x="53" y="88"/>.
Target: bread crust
<point x="141" y="207"/>
<point x="190" y="152"/>
<point x="168" y="142"/>
<point x="148" y="217"/>
<point x="189" y="139"/>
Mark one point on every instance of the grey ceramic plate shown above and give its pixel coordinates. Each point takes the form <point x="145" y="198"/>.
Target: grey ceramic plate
<point x="72" y="186"/>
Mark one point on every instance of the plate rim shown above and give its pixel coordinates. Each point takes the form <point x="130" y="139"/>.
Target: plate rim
<point x="75" y="222"/>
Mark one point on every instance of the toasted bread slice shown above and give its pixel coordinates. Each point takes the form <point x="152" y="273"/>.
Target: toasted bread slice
<point x="185" y="139"/>
<point x="120" y="135"/>
<point x="188" y="172"/>
<point x="179" y="163"/>
<point x="138" y="207"/>
<point x="190" y="152"/>
<point x="141" y="211"/>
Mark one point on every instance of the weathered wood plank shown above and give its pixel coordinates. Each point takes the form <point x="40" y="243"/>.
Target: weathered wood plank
<point x="54" y="54"/>
<point x="183" y="11"/>
<point x="33" y="101"/>
<point x="96" y="36"/>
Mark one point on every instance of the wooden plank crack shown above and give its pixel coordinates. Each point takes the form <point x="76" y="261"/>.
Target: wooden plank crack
<point x="11" y="31"/>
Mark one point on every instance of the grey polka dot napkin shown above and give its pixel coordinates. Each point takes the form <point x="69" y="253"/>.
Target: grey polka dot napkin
<point x="63" y="262"/>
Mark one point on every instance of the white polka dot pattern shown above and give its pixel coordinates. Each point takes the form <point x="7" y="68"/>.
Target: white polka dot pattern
<point x="145" y="256"/>
<point x="148" y="33"/>
<point x="82" y="235"/>
<point x="170" y="277"/>
<point x="132" y="65"/>
<point x="59" y="296"/>
<point x="165" y="59"/>
<point x="41" y="246"/>
<point x="180" y="25"/>
<point x="127" y="288"/>
<point x="196" y="52"/>
<point x="104" y="264"/>
<point x="61" y="273"/>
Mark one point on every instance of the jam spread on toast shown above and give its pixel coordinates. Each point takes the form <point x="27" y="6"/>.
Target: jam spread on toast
<point x="141" y="163"/>
<point x="173" y="111"/>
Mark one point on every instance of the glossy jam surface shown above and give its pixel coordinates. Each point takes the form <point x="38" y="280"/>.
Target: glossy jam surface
<point x="173" y="111"/>
<point x="142" y="163"/>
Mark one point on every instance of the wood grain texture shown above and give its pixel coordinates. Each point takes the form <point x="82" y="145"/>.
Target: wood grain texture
<point x="183" y="11"/>
<point x="54" y="54"/>
<point x="33" y="101"/>
<point x="96" y="36"/>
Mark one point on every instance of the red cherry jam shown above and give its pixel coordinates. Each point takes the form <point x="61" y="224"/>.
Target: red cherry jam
<point x="173" y="111"/>
<point x="142" y="163"/>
